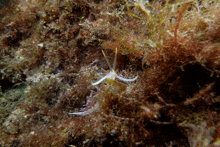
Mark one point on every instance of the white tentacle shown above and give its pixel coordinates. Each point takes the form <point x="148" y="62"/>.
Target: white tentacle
<point x="102" y="79"/>
<point x="126" y="80"/>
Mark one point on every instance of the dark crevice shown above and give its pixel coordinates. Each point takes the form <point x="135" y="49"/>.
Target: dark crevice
<point x="185" y="83"/>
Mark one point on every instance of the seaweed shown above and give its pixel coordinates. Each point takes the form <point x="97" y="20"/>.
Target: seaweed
<point x="51" y="53"/>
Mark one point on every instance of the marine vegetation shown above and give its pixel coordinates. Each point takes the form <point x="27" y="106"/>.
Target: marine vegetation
<point x="163" y="90"/>
<point x="111" y="75"/>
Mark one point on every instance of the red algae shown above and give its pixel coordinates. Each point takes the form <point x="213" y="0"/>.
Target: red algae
<point x="51" y="53"/>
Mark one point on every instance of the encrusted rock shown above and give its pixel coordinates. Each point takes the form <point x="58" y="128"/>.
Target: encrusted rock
<point x="15" y="121"/>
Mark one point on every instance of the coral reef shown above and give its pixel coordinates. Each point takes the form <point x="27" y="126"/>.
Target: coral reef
<point x="51" y="53"/>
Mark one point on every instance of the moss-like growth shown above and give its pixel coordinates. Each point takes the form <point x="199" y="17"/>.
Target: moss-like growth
<point x="51" y="53"/>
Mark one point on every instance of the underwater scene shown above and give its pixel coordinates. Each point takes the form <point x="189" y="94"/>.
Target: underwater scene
<point x="97" y="73"/>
